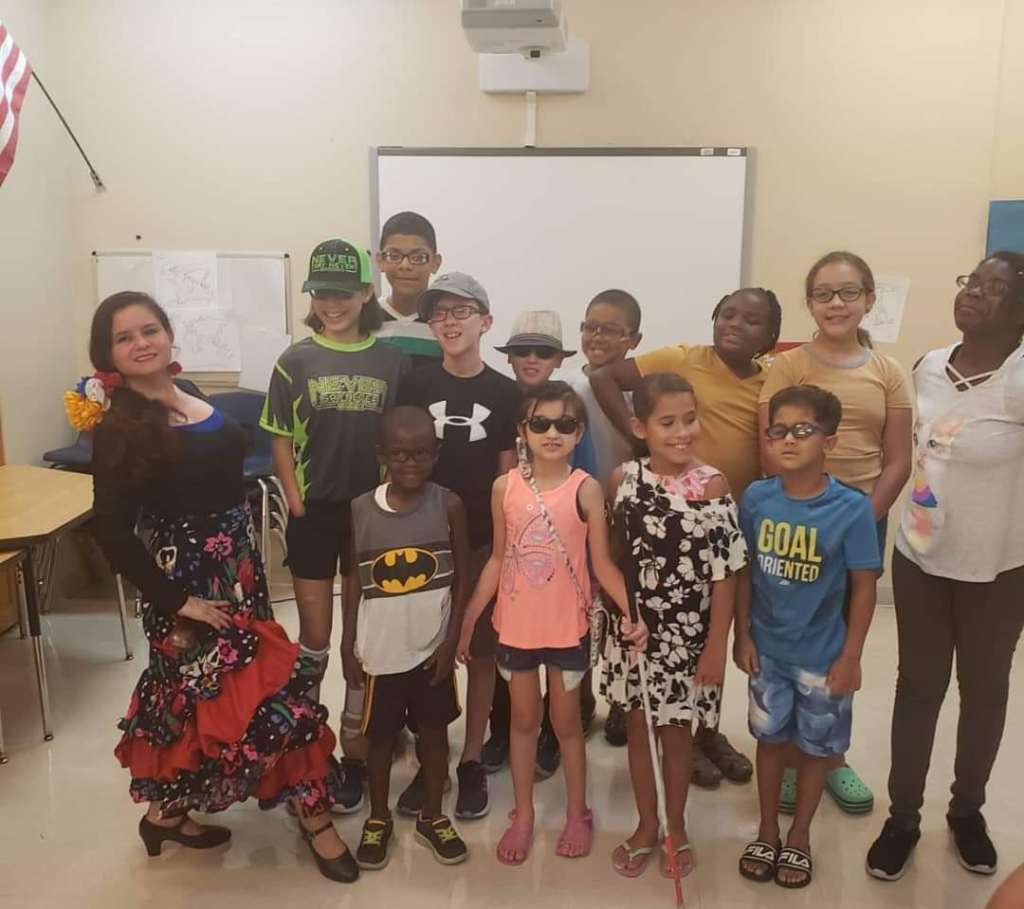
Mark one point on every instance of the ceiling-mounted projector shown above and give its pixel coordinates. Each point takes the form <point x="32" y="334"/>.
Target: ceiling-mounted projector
<point x="532" y="28"/>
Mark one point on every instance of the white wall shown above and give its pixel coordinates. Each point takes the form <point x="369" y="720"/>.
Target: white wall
<point x="884" y="127"/>
<point x="39" y="336"/>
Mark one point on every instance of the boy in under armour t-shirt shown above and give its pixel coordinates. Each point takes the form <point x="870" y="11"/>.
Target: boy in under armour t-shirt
<point x="803" y="609"/>
<point x="474" y="409"/>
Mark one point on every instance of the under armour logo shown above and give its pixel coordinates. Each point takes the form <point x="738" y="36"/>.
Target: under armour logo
<point x="439" y="411"/>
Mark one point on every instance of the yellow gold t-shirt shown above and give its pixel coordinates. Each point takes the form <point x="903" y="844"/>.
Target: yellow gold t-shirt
<point x="726" y="405"/>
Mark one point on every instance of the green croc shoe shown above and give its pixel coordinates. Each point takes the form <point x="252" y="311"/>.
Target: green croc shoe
<point x="849" y="791"/>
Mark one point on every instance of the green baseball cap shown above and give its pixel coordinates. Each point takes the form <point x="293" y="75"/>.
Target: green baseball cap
<point x="338" y="265"/>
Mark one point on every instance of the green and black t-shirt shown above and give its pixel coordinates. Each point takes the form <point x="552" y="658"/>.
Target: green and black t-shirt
<point x="328" y="397"/>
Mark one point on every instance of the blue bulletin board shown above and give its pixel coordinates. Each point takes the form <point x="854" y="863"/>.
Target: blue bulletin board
<point x="1005" y="226"/>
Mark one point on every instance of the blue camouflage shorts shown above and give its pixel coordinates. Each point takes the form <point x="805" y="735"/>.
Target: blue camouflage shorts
<point x="792" y="704"/>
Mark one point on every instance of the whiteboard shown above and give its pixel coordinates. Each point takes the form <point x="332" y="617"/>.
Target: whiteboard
<point x="551" y="228"/>
<point x="249" y="325"/>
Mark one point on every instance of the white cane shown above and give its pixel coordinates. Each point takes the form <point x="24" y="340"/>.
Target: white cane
<point x="659" y="780"/>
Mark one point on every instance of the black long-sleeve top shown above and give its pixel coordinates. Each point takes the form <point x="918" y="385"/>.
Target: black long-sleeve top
<point x="206" y="477"/>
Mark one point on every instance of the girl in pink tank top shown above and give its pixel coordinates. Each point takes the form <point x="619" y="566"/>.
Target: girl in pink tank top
<point x="547" y="519"/>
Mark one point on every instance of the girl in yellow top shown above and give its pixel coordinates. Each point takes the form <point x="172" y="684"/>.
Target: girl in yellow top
<point x="727" y="379"/>
<point x="874" y="446"/>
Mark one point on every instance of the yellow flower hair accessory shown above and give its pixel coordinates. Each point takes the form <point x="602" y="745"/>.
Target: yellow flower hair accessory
<point x="90" y="399"/>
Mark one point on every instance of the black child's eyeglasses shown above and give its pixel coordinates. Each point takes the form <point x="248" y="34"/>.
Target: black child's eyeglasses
<point x="393" y="256"/>
<point x="565" y="425"/>
<point x="417" y="455"/>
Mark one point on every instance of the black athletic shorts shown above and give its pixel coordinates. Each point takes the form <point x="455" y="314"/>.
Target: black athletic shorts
<point x="320" y="542"/>
<point x="408" y="697"/>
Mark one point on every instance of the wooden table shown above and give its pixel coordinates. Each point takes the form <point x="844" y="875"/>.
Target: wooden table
<point x="36" y="504"/>
<point x="9" y="560"/>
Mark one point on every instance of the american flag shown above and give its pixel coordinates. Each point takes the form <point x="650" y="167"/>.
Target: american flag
<point x="14" y="75"/>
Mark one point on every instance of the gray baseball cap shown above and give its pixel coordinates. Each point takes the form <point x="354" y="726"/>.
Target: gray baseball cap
<point x="456" y="283"/>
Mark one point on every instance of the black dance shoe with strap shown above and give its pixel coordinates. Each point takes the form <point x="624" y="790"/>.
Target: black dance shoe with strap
<point x="343" y="869"/>
<point x="155" y="835"/>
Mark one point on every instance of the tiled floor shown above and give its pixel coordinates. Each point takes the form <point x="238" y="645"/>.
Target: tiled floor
<point x="68" y="839"/>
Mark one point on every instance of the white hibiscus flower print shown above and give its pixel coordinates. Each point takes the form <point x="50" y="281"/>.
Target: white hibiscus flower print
<point x="650" y="571"/>
<point x="691" y="623"/>
<point x="655" y="526"/>
<point x="657" y="604"/>
<point x="686" y="569"/>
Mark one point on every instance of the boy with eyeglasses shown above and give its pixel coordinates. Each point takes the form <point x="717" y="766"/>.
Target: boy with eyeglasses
<point x="474" y="409"/>
<point x="609" y="331"/>
<point x="408" y="258"/>
<point x="404" y="597"/>
<point x="813" y="536"/>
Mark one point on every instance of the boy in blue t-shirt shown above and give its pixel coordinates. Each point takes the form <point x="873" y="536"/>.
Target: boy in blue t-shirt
<point x="803" y="610"/>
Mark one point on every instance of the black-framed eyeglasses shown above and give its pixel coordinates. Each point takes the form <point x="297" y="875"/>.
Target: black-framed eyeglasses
<point x="598" y="329"/>
<point x="416" y="455"/>
<point x="395" y="256"/>
<point x="566" y="425"/>
<point x="993" y="287"/>
<point x="460" y="311"/>
<point x="541" y="353"/>
<point x="847" y="294"/>
<point x="778" y="431"/>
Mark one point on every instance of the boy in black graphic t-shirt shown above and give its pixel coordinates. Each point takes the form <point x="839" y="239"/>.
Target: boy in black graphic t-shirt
<point x="474" y="410"/>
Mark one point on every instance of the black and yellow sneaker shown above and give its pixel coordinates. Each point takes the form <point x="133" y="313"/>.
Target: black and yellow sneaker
<point x="438" y="834"/>
<point x="372" y="853"/>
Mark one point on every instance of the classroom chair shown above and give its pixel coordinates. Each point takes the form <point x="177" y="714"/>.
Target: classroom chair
<point x="76" y="457"/>
<point x="246" y="407"/>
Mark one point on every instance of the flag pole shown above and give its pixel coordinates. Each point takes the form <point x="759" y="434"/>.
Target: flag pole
<point x="96" y="179"/>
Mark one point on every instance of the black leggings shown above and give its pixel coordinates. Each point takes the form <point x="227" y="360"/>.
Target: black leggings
<point x="937" y="617"/>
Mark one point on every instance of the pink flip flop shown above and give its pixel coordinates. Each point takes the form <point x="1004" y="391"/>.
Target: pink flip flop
<point x="631" y="861"/>
<point x="515" y="839"/>
<point x="576" y="830"/>
<point x="686" y="860"/>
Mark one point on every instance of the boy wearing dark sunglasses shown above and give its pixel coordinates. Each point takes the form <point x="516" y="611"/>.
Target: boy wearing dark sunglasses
<point x="816" y="549"/>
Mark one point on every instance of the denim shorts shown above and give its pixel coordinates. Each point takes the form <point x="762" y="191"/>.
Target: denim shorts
<point x="791" y="704"/>
<point x="572" y="661"/>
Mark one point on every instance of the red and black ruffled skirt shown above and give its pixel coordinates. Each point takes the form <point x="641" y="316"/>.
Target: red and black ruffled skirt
<point x="229" y="718"/>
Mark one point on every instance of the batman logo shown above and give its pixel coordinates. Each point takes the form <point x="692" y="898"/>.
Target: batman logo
<point x="403" y="570"/>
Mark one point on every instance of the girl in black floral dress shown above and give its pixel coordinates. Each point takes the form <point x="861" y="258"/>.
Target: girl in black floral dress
<point x="221" y="713"/>
<point x="683" y="545"/>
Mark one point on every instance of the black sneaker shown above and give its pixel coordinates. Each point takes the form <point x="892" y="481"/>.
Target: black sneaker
<point x="438" y="835"/>
<point x="351" y="797"/>
<point x="410" y="802"/>
<point x="615" y="727"/>
<point x="890" y="853"/>
<point x="372" y="853"/>
<point x="472" y="801"/>
<point x="549" y="756"/>
<point x="973" y="847"/>
<point x="494" y="754"/>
